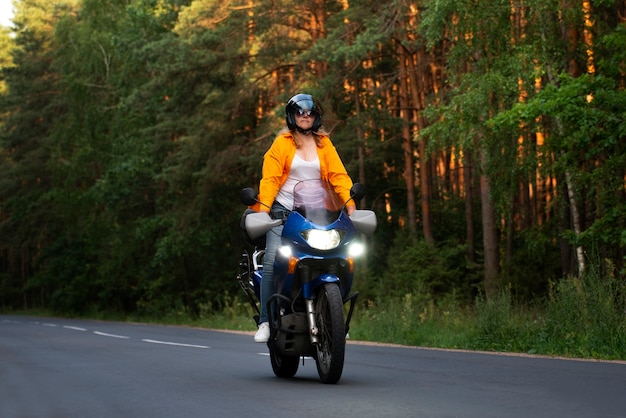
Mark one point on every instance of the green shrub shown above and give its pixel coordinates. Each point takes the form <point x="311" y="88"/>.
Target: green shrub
<point x="431" y="271"/>
<point x="587" y="317"/>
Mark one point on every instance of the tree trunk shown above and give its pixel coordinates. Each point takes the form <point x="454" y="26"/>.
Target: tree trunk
<point x="567" y="263"/>
<point x="419" y="102"/>
<point x="490" y="234"/>
<point x="360" y="141"/>
<point x="573" y="203"/>
<point x="407" y="144"/>
<point x="318" y="31"/>
<point x="427" y="218"/>
<point x="469" y="207"/>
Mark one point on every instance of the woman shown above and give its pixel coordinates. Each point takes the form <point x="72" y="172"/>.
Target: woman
<point x="301" y="151"/>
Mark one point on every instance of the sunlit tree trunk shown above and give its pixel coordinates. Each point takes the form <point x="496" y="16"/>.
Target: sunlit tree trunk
<point x="418" y="87"/>
<point x="318" y="30"/>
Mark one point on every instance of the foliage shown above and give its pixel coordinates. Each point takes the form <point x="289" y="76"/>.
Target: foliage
<point x="427" y="272"/>
<point x="128" y="127"/>
<point x="581" y="318"/>
<point x="536" y="258"/>
<point x="585" y="317"/>
<point x="589" y="108"/>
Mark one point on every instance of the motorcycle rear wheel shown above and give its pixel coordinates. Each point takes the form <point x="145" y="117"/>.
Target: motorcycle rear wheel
<point x="332" y="337"/>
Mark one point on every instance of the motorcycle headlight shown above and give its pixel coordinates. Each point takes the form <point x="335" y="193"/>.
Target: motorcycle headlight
<point x="285" y="251"/>
<point x="356" y="249"/>
<point x="322" y="240"/>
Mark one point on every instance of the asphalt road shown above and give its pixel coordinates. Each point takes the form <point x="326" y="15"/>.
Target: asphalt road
<point x="73" y="368"/>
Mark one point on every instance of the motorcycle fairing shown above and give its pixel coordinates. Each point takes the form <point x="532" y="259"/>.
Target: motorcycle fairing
<point x="296" y="223"/>
<point x="308" y="288"/>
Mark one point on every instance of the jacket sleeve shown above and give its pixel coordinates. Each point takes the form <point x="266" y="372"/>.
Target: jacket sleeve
<point x="336" y="172"/>
<point x="273" y="173"/>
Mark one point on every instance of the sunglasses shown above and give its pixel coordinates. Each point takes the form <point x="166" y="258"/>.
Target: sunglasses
<point x="302" y="112"/>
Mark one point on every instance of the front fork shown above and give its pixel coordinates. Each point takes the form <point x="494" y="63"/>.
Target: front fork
<point x="310" y="314"/>
<point x="309" y="294"/>
<point x="310" y="308"/>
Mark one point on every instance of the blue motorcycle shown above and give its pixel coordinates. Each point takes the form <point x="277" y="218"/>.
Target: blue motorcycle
<point x="313" y="275"/>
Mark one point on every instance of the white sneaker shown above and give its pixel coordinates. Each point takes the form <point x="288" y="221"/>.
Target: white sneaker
<point x="263" y="334"/>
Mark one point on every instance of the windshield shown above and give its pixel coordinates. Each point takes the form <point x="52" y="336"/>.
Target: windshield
<point x="317" y="201"/>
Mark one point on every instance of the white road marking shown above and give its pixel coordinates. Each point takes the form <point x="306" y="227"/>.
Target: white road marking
<point x="104" y="334"/>
<point x="124" y="337"/>
<point x="74" y="328"/>
<point x="177" y="344"/>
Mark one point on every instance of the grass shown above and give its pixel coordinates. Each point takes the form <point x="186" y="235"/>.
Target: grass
<point x="583" y="318"/>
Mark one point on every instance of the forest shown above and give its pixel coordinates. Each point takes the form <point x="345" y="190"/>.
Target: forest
<point x="491" y="137"/>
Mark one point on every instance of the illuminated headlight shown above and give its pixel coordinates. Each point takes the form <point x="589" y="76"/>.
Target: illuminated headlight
<point x="285" y="251"/>
<point x="356" y="249"/>
<point x="322" y="240"/>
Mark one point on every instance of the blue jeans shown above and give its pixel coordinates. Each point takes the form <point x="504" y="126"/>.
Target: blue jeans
<point x="272" y="242"/>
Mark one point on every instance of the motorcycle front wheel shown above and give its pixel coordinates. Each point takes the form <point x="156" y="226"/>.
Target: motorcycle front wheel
<point x="332" y="338"/>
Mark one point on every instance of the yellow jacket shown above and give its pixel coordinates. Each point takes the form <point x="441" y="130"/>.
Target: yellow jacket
<point x="277" y="163"/>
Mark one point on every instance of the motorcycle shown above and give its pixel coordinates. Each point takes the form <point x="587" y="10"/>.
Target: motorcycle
<point x="313" y="275"/>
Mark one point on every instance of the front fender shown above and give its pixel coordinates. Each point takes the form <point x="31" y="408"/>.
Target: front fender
<point x="308" y="289"/>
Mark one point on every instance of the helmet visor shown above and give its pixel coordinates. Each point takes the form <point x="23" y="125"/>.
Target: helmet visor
<point x="306" y="104"/>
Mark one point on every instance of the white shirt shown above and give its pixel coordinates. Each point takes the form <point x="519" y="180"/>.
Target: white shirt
<point x="300" y="170"/>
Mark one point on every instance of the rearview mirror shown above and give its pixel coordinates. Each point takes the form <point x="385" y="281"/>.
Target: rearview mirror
<point x="248" y="196"/>
<point x="357" y="192"/>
